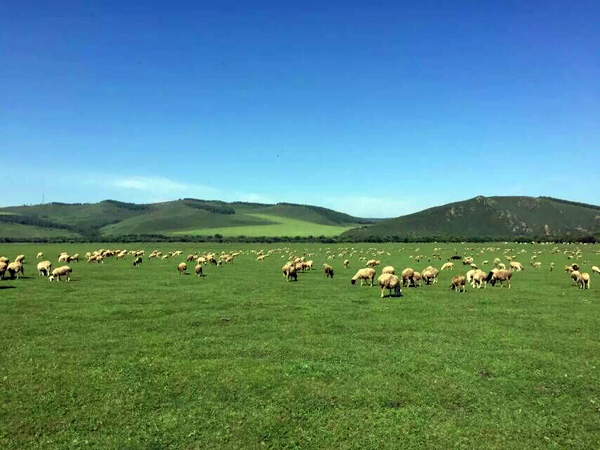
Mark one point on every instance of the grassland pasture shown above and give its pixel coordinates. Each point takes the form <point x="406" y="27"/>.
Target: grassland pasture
<point x="124" y="357"/>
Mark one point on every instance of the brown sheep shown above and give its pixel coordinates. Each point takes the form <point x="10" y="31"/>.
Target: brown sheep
<point x="367" y="275"/>
<point x="60" y="272"/>
<point x="391" y="282"/>
<point x="327" y="270"/>
<point x="289" y="272"/>
<point x="182" y="267"/>
<point x="458" y="283"/>
<point x="198" y="269"/>
<point x="499" y="275"/>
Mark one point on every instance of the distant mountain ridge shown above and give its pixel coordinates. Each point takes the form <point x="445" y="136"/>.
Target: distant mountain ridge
<point x="477" y="218"/>
<point x="492" y="217"/>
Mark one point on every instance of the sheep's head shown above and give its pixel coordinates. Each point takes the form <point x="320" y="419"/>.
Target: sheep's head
<point x="51" y="278"/>
<point x="353" y="281"/>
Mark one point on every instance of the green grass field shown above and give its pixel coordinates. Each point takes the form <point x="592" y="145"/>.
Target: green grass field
<point x="280" y="226"/>
<point x="127" y="358"/>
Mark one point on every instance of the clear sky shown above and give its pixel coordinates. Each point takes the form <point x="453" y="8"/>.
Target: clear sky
<point x="375" y="108"/>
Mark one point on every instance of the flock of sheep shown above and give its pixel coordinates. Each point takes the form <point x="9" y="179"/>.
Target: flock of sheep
<point x="295" y="264"/>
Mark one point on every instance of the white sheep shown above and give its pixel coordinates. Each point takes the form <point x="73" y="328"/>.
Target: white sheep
<point x="391" y="282"/>
<point x="367" y="275"/>
<point x="60" y="272"/>
<point x="44" y="268"/>
<point x="15" y="268"/>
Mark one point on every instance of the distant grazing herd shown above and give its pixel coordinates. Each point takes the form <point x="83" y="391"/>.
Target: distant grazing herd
<point x="388" y="281"/>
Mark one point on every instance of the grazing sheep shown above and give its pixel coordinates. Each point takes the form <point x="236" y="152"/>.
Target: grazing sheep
<point x="596" y="269"/>
<point x="458" y="283"/>
<point x="198" y="269"/>
<point x="137" y="261"/>
<point x="470" y="274"/>
<point x="467" y="261"/>
<point x="190" y="257"/>
<point x="391" y="282"/>
<point x="346" y="263"/>
<point x="536" y="265"/>
<point x="367" y="275"/>
<point x="64" y="257"/>
<point x="15" y="268"/>
<point x="289" y="272"/>
<point x="448" y="266"/>
<point x="551" y="267"/>
<point x="517" y="266"/>
<point x="373" y="263"/>
<point x="44" y="268"/>
<point x="4" y="259"/>
<point x="3" y="267"/>
<point x="479" y="279"/>
<point x="501" y="266"/>
<point x="40" y="255"/>
<point x="309" y="265"/>
<point x="60" y="272"/>
<point x="499" y="275"/>
<point x="20" y="259"/>
<point x="98" y="258"/>
<point x="327" y="270"/>
<point x="417" y="279"/>
<point x="182" y="267"/>
<point x="408" y="277"/>
<point x="388" y="269"/>
<point x="75" y="257"/>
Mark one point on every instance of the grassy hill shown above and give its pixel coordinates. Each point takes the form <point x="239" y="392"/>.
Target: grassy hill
<point x="491" y="217"/>
<point x="188" y="216"/>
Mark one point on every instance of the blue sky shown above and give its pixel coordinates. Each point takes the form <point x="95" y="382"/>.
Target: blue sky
<point x="372" y="108"/>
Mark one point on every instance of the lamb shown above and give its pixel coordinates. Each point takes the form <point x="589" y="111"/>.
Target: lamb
<point x="289" y="272"/>
<point x="346" y="263"/>
<point x="182" y="267"/>
<point x="198" y="269"/>
<point x="470" y="274"/>
<point x="367" y="275"/>
<point x="40" y="255"/>
<point x="448" y="266"/>
<point x="458" y="283"/>
<point x="391" y="282"/>
<point x="388" y="269"/>
<point x="499" y="275"/>
<point x="327" y="270"/>
<point x="516" y="266"/>
<point x="60" y="272"/>
<point x="536" y="265"/>
<point x="137" y="261"/>
<point x="44" y="268"/>
<point x="15" y="268"/>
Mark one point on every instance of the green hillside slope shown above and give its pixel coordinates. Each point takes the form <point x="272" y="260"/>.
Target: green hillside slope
<point x="491" y="217"/>
<point x="111" y="218"/>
